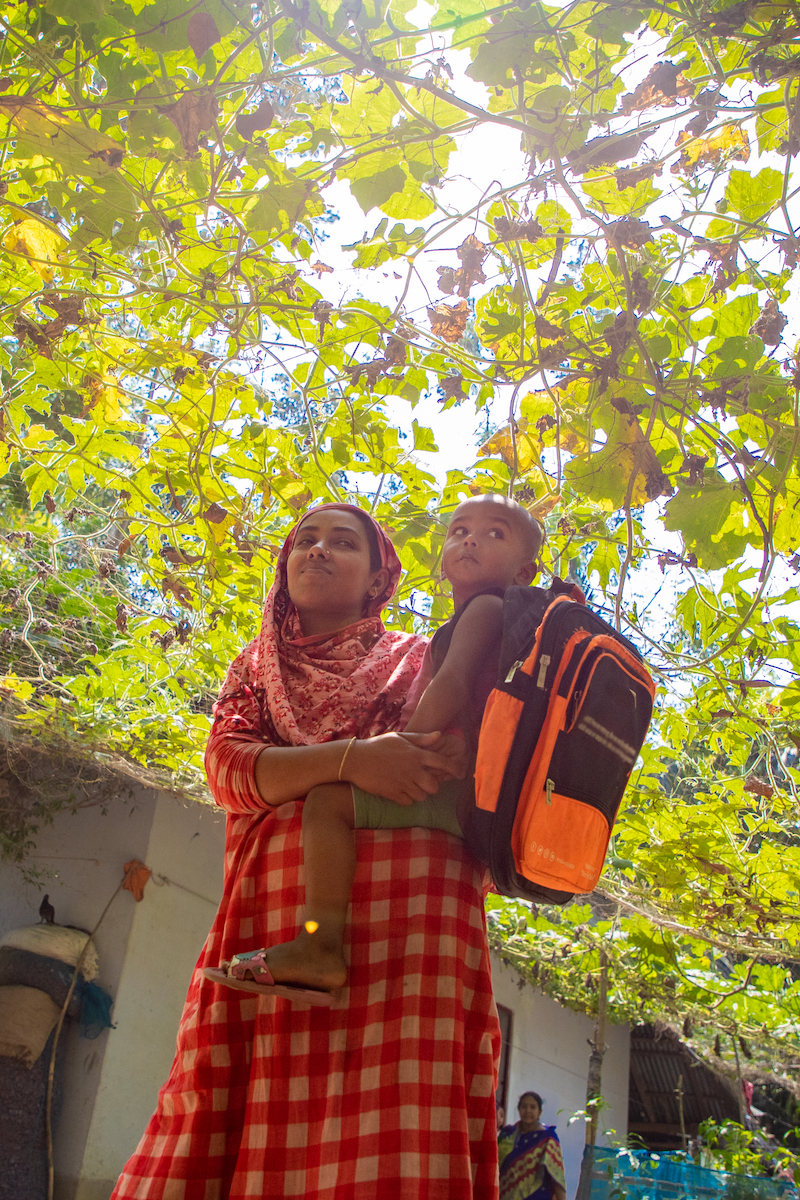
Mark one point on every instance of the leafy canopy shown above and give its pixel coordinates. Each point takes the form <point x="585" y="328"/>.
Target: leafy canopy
<point x="183" y="372"/>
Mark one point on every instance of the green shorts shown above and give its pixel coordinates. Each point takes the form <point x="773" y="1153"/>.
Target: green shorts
<point x="437" y="812"/>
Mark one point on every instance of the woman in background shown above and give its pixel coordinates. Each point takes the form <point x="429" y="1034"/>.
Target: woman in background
<point x="531" y="1166"/>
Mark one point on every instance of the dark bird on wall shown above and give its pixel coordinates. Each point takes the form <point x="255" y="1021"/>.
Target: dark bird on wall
<point x="47" y="912"/>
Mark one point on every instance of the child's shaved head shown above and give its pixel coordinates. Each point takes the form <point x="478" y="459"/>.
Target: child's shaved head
<point x="518" y="517"/>
<point x="491" y="542"/>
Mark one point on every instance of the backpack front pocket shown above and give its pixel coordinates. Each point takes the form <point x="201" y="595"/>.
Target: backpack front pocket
<point x="563" y="842"/>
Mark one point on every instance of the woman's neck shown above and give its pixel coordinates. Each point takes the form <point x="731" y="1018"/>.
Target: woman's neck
<point x="319" y="624"/>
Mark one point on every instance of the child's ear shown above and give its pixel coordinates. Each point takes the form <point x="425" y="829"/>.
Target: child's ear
<point x="526" y="574"/>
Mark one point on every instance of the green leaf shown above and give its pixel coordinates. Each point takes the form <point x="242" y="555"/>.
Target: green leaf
<point x="753" y="196"/>
<point x="706" y="517"/>
<point x="374" y="190"/>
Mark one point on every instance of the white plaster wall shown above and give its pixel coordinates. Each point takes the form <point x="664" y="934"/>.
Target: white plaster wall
<point x="81" y="856"/>
<point x="169" y="927"/>
<point x="147" y="951"/>
<point x="550" y="1055"/>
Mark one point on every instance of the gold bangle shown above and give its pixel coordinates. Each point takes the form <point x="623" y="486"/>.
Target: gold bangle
<point x="344" y="756"/>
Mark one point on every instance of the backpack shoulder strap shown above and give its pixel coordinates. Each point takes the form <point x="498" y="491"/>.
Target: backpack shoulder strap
<point x="523" y="612"/>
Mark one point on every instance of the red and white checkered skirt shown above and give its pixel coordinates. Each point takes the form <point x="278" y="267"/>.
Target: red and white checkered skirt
<point x="389" y="1094"/>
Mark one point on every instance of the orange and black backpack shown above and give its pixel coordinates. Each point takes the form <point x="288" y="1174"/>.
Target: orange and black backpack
<point x="560" y="735"/>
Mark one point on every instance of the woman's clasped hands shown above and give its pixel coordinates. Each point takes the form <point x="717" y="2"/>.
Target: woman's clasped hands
<point x="405" y="767"/>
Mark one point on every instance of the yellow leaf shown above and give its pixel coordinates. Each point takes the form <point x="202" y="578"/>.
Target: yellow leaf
<point x="45" y="132"/>
<point x="19" y="687"/>
<point x="219" y="531"/>
<point x="106" y="399"/>
<point x="110" y="405"/>
<point x="40" y="244"/>
<point x="730" y="143"/>
<point x="624" y="471"/>
<point x="544" y="505"/>
<point x="501" y="445"/>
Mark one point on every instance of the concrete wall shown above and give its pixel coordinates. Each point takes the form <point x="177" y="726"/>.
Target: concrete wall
<point x="146" y="950"/>
<point x="550" y="1055"/>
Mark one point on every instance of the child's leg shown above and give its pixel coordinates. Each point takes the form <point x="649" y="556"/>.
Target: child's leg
<point x="315" y="957"/>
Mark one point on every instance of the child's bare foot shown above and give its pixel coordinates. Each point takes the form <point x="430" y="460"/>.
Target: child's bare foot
<point x="306" y="962"/>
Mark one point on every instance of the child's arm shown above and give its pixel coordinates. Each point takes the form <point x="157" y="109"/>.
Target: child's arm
<point x="476" y="638"/>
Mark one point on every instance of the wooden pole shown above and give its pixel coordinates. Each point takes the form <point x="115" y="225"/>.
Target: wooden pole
<point x="593" y="1084"/>
<point x="679" y="1094"/>
<point x="742" y="1114"/>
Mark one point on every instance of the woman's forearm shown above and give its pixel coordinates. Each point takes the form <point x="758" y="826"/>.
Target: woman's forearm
<point x="285" y="773"/>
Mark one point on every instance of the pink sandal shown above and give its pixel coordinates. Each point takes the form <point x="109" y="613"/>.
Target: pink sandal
<point x="249" y="973"/>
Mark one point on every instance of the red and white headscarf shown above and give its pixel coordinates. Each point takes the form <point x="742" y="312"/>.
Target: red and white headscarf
<point x="351" y="683"/>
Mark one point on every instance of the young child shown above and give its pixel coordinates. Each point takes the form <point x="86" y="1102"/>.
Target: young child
<point x="491" y="543"/>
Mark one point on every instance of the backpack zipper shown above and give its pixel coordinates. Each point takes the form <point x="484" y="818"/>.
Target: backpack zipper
<point x="548" y="791"/>
<point x="544" y="663"/>
<point x="514" y="668"/>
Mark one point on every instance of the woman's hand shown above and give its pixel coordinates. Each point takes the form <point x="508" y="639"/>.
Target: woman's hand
<point x="401" y="767"/>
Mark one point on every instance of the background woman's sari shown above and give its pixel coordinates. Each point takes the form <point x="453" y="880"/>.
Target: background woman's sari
<point x="390" y="1092"/>
<point x="525" y="1162"/>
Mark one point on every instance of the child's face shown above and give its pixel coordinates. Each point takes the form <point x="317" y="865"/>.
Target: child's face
<point x="486" y="546"/>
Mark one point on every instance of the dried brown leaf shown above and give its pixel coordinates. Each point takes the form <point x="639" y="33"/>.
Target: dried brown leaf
<point x="249" y="123"/>
<point x="757" y="788"/>
<point x="177" y="557"/>
<point x="642" y="294"/>
<point x="618" y="335"/>
<point x="191" y="114"/>
<point x="452" y="387"/>
<point x="396" y="351"/>
<point x="121" y="620"/>
<point x="176" y="586"/>
<point x="517" y="231"/>
<point x="215" y="513"/>
<point x="472" y="253"/>
<point x="300" y="500"/>
<point x="663" y="84"/>
<point x="629" y="177"/>
<point x="790" y="249"/>
<point x="202" y="33"/>
<point x="605" y="150"/>
<point x="769" y="325"/>
<point x="630" y="232"/>
<point x="448" y="321"/>
<point x="706" y="111"/>
<point x="25" y="330"/>
<point x="321" y="311"/>
<point x="695" y="465"/>
<point x="546" y="329"/>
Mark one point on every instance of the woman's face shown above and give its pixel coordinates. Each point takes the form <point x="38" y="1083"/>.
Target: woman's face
<point x="328" y="571"/>
<point x="529" y="1111"/>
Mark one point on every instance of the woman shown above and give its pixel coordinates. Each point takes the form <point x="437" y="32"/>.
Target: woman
<point x="390" y="1089"/>
<point x="531" y="1166"/>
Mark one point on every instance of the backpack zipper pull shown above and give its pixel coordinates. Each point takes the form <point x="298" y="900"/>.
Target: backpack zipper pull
<point x="548" y="791"/>
<point x="513" y="669"/>
<point x="544" y="663"/>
